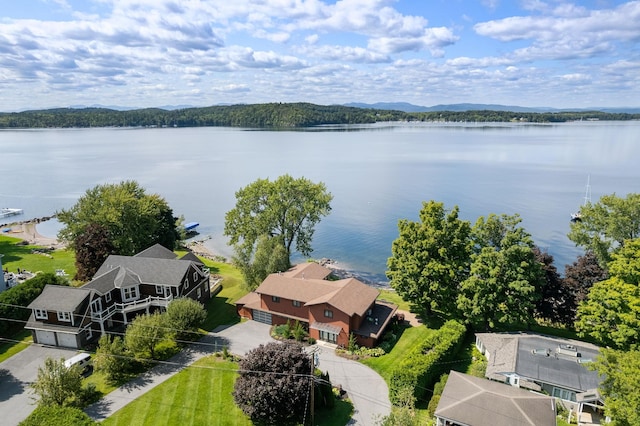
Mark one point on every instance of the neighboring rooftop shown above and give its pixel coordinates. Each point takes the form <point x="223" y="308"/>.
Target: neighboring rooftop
<point x="59" y="298"/>
<point x="475" y="401"/>
<point x="545" y="359"/>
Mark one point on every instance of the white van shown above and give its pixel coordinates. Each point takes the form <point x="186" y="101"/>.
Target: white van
<point x="83" y="360"/>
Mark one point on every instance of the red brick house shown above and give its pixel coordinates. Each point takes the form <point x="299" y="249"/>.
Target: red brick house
<point x="122" y="288"/>
<point x="331" y="310"/>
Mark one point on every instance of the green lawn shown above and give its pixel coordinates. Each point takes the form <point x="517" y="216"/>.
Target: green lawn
<point x="393" y="297"/>
<point x="195" y="396"/>
<point x="8" y="349"/>
<point x="19" y="256"/>
<point x="411" y="337"/>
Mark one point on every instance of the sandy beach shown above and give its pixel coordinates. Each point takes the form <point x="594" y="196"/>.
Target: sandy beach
<point x="28" y="231"/>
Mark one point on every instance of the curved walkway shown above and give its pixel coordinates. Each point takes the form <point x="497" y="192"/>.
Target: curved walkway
<point x="366" y="389"/>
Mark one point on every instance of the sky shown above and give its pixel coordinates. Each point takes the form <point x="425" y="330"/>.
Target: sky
<point x="153" y="53"/>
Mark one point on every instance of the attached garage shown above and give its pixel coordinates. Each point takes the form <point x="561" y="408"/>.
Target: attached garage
<point x="261" y="316"/>
<point x="67" y="340"/>
<point x="46" y="337"/>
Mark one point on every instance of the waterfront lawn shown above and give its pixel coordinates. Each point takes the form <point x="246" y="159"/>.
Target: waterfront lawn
<point x="19" y="256"/>
<point x="221" y="309"/>
<point x="198" y="395"/>
<point x="393" y="297"/>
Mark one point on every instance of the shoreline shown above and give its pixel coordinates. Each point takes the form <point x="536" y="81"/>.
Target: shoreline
<point x="28" y="231"/>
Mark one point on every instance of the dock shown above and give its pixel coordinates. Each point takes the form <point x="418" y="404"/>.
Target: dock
<point x="6" y="212"/>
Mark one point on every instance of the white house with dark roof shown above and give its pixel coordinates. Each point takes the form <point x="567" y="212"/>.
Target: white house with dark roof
<point x="331" y="310"/>
<point x="123" y="287"/>
<point x="472" y="401"/>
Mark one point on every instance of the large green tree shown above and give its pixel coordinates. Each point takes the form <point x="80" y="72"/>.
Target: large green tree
<point x="430" y="259"/>
<point x="145" y="333"/>
<point x="134" y="219"/>
<point x="270" y="256"/>
<point x="621" y="381"/>
<point x="285" y="208"/>
<point x="505" y="278"/>
<point x="611" y="311"/>
<point x="605" y="226"/>
<point x="92" y="248"/>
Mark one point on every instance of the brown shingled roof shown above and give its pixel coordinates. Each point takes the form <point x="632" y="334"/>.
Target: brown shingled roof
<point x="349" y="295"/>
<point x="308" y="270"/>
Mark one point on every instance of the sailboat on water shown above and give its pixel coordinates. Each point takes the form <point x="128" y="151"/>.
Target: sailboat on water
<point x="577" y="216"/>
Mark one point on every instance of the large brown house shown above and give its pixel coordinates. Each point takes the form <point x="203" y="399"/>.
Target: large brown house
<point x="122" y="288"/>
<point x="331" y="310"/>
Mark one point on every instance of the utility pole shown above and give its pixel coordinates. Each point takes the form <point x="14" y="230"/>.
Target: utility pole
<point x="313" y="357"/>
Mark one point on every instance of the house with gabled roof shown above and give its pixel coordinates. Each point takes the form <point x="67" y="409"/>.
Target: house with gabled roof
<point x="330" y="309"/>
<point x="473" y="401"/>
<point x="123" y="287"/>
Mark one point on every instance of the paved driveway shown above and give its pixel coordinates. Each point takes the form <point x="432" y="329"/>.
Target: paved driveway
<point x="366" y="389"/>
<point x="16" y="374"/>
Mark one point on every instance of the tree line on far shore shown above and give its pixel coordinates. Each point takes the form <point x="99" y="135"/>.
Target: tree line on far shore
<point x="275" y="116"/>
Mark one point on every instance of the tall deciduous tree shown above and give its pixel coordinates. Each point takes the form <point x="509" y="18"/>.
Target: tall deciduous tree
<point x="274" y="384"/>
<point x="92" y="248"/>
<point x="430" y="259"/>
<point x="605" y="226"/>
<point x="58" y="385"/>
<point x="134" y="219"/>
<point x="557" y="300"/>
<point x="286" y="208"/>
<point x="270" y="257"/>
<point x="112" y="358"/>
<point x="505" y="279"/>
<point x="611" y="311"/>
<point x="582" y="274"/>
<point x="621" y="380"/>
<point x="184" y="316"/>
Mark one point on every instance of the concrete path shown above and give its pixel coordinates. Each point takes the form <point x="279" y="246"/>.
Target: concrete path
<point x="366" y="389"/>
<point x="16" y="375"/>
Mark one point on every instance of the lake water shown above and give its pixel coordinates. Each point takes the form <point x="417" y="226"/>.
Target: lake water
<point x="378" y="174"/>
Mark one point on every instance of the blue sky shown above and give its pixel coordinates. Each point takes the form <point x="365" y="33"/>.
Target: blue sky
<point x="144" y="53"/>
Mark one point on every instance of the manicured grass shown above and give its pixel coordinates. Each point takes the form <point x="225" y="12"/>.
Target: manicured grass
<point x="393" y="297"/>
<point x="221" y="308"/>
<point x="411" y="337"/>
<point x="8" y="349"/>
<point x="19" y="256"/>
<point x="195" y="396"/>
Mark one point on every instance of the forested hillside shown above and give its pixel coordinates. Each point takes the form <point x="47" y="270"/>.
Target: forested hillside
<point x="273" y="115"/>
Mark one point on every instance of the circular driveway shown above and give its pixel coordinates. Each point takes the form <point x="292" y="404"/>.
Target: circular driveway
<point x="366" y="389"/>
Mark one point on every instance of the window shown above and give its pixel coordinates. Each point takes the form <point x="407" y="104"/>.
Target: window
<point x="296" y="303"/>
<point x="159" y="289"/>
<point x="89" y="333"/>
<point x="199" y="292"/>
<point x="129" y="293"/>
<point x="275" y="299"/>
<point x="328" y="337"/>
<point x="107" y="297"/>
<point x="40" y="313"/>
<point x="186" y="284"/>
<point x="328" y="313"/>
<point x="64" y="316"/>
<point x="564" y="394"/>
<point x="195" y="276"/>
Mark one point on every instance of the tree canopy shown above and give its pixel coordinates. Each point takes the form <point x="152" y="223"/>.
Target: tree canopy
<point x="58" y="385"/>
<point x="274" y="384"/>
<point x="611" y="311"/>
<point x="287" y="209"/>
<point x="92" y="248"/>
<point x="621" y="380"/>
<point x="430" y="259"/>
<point x="133" y="219"/>
<point x="605" y="226"/>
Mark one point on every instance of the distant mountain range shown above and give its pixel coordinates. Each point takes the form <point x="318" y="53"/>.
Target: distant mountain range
<point x="407" y="107"/>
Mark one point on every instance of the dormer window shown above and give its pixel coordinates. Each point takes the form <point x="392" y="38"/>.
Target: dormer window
<point x="64" y="316"/>
<point x="195" y="276"/>
<point x="129" y="293"/>
<point x="40" y="314"/>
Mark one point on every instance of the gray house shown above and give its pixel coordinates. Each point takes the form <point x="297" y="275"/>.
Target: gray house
<point x="122" y="288"/>
<point x="473" y="401"/>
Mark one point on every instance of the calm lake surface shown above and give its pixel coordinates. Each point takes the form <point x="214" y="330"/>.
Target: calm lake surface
<point x="378" y="174"/>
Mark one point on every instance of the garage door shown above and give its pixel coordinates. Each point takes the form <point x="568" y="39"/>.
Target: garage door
<point x="46" y="337"/>
<point x="67" y="340"/>
<point x="260" y="316"/>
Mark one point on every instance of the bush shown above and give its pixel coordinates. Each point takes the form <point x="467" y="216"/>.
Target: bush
<point x="112" y="359"/>
<point x="424" y="364"/>
<point x="185" y="316"/>
<point x="57" y="416"/>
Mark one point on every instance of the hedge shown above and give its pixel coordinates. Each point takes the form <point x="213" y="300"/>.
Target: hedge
<point x="424" y="365"/>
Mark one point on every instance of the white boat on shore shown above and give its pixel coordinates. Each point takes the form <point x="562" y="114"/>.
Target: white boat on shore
<point x="6" y="212"/>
